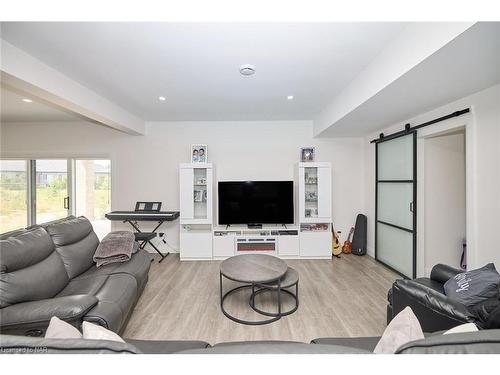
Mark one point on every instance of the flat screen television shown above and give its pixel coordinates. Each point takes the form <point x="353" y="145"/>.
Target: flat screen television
<point x="255" y="202"/>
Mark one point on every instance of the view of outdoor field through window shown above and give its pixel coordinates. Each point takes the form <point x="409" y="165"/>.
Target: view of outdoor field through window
<point x="13" y="194"/>
<point x="93" y="193"/>
<point x="92" y="189"/>
<point x="51" y="190"/>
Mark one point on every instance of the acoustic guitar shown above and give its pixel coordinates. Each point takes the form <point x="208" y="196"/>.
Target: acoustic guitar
<point x="336" y="248"/>
<point x="347" y="248"/>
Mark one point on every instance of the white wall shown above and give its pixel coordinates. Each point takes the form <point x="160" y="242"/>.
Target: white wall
<point x="483" y="170"/>
<point x="146" y="167"/>
<point x="413" y="45"/>
<point x="444" y="202"/>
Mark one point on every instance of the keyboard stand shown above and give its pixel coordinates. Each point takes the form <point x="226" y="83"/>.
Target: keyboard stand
<point x="145" y="237"/>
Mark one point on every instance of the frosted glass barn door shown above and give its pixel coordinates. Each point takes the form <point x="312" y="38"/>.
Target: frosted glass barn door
<point x="395" y="200"/>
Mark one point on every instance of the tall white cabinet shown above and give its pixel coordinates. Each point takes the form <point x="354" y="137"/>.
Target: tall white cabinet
<point x="196" y="210"/>
<point x="315" y="209"/>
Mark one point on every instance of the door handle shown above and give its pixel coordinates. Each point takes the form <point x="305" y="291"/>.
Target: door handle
<point x="411" y="207"/>
<point x="66" y="203"/>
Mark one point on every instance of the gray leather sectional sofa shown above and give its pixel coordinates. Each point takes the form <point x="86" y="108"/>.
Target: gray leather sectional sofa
<point x="48" y="270"/>
<point x="481" y="342"/>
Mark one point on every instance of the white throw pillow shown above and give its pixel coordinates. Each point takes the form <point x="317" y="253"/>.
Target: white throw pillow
<point x="462" y="328"/>
<point x="96" y="332"/>
<point x="402" y="329"/>
<point x="59" y="329"/>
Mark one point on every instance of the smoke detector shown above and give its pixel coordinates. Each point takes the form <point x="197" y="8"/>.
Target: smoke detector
<point x="247" y="69"/>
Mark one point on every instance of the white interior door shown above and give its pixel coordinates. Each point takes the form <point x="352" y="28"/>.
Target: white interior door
<point x="395" y="235"/>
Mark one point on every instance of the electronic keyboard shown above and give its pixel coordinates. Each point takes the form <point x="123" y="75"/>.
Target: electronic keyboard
<point x="143" y="215"/>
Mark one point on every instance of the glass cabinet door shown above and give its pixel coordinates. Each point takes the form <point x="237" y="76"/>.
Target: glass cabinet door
<point x="200" y="193"/>
<point x="311" y="192"/>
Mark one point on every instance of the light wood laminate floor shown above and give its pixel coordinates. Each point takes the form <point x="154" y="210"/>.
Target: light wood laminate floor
<point x="338" y="297"/>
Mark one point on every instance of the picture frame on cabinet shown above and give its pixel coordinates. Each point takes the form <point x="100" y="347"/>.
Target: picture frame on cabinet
<point x="198" y="195"/>
<point x="307" y="154"/>
<point x="311" y="196"/>
<point x="199" y="153"/>
<point x="201" y="181"/>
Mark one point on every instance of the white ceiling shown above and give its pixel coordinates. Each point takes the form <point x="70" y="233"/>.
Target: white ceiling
<point x="13" y="109"/>
<point x="467" y="64"/>
<point x="195" y="66"/>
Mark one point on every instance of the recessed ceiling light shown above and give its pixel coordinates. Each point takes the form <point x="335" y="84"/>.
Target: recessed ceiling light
<point x="290" y="97"/>
<point x="162" y="98"/>
<point x="247" y="69"/>
<point x="26" y="100"/>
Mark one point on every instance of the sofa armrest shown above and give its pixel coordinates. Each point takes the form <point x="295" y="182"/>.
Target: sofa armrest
<point x="35" y="315"/>
<point x="434" y="310"/>
<point x="442" y="273"/>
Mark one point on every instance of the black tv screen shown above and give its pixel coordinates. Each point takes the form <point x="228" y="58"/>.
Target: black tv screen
<point x="256" y="202"/>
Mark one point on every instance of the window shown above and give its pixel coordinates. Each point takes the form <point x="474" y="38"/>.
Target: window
<point x="93" y="193"/>
<point x="37" y="191"/>
<point x="51" y="184"/>
<point x="13" y="195"/>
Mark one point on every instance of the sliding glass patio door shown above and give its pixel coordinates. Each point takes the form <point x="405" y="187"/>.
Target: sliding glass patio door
<point x="395" y="228"/>
<point x="35" y="191"/>
<point x="92" y="192"/>
<point x="51" y="190"/>
<point x="13" y="194"/>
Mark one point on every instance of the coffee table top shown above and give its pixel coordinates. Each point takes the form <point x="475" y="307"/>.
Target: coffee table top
<point x="253" y="268"/>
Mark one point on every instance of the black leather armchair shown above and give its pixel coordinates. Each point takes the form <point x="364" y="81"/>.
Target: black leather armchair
<point x="434" y="310"/>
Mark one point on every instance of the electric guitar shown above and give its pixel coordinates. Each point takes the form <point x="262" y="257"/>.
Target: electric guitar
<point x="336" y="248"/>
<point x="347" y="248"/>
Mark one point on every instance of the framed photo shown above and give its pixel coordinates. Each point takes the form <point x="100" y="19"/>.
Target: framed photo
<point x="201" y="181"/>
<point x="311" y="196"/>
<point x="198" y="195"/>
<point x="199" y="153"/>
<point x="307" y="154"/>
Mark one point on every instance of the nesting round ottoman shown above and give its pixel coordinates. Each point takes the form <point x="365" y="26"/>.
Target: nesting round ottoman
<point x="289" y="280"/>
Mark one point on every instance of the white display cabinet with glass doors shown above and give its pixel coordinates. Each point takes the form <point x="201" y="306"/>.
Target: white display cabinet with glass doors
<point x="315" y="209"/>
<point x="315" y="192"/>
<point x="196" y="210"/>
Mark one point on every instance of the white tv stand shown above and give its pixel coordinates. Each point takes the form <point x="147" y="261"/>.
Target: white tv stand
<point x="274" y="240"/>
<point x="310" y="238"/>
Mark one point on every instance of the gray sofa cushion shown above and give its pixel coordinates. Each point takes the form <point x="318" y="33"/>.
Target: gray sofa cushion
<point x="35" y="345"/>
<point x="138" y="266"/>
<point x="274" y="347"/>
<point x="473" y="287"/>
<point x="75" y="242"/>
<point x="364" y="343"/>
<point x="166" y="347"/>
<point x="30" y="269"/>
<point x="480" y="342"/>
<point x="86" y="285"/>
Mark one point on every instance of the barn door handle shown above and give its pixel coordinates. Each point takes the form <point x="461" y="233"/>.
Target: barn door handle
<point x="411" y="207"/>
<point x="66" y="203"/>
